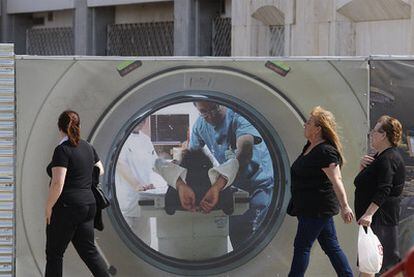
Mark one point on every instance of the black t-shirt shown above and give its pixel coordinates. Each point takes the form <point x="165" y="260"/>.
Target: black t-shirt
<point x="312" y="192"/>
<point x="382" y="183"/>
<point x="79" y="161"/>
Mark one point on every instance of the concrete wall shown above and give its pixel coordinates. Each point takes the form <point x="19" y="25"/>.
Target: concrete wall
<point x="307" y="28"/>
<point x="28" y="6"/>
<point x="250" y="24"/>
<point x="324" y="27"/>
<point x="151" y="12"/>
<point x="227" y="8"/>
<point x="383" y="37"/>
<point x="99" y="3"/>
<point x="311" y="27"/>
<point x="62" y="18"/>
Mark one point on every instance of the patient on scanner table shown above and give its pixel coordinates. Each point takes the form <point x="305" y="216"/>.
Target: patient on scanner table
<point x="197" y="171"/>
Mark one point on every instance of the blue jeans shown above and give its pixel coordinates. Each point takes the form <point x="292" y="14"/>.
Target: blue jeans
<point x="323" y="229"/>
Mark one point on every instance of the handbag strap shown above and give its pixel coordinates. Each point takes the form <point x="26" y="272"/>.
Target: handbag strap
<point x="95" y="170"/>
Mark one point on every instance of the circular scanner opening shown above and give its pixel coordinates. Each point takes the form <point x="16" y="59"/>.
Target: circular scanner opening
<point x="200" y="132"/>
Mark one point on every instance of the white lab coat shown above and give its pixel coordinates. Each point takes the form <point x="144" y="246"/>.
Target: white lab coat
<point x="139" y="155"/>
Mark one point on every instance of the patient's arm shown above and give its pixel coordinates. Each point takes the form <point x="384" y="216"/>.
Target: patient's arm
<point x="212" y="196"/>
<point x="186" y="194"/>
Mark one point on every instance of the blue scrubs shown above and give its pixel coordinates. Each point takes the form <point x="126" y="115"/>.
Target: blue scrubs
<point x="257" y="178"/>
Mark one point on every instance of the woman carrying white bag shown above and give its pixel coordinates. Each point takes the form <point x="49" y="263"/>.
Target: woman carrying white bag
<point x="379" y="185"/>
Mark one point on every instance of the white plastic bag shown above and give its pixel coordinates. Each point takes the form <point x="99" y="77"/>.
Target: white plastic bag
<point x="370" y="252"/>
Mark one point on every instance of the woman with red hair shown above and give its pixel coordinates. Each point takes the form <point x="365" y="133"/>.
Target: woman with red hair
<point x="70" y="207"/>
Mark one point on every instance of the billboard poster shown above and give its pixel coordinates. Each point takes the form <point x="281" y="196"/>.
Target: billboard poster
<point x="392" y="93"/>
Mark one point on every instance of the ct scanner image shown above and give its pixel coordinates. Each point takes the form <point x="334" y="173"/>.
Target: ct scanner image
<point x="137" y="110"/>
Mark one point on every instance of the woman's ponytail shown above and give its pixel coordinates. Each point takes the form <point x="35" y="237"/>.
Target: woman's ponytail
<point x="69" y="123"/>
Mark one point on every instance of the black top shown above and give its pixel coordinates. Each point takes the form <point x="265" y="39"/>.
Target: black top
<point x="312" y="192"/>
<point x="79" y="161"/>
<point x="382" y="183"/>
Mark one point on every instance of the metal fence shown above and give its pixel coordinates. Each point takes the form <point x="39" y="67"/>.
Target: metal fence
<point x="50" y="41"/>
<point x="277" y="40"/>
<point x="221" y="37"/>
<point x="7" y="163"/>
<point x="141" y="39"/>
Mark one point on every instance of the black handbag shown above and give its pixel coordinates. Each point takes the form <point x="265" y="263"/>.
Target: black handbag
<point x="101" y="199"/>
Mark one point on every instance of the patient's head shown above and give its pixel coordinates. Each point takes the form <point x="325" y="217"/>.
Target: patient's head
<point x="197" y="164"/>
<point x="195" y="159"/>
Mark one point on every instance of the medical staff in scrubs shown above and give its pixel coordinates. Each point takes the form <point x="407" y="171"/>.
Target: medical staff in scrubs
<point x="229" y="135"/>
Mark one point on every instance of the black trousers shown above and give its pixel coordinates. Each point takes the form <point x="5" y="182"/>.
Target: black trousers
<point x="388" y="236"/>
<point x="73" y="224"/>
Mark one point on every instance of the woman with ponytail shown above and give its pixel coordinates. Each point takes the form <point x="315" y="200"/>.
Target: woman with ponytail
<point x="318" y="194"/>
<point x="70" y="207"/>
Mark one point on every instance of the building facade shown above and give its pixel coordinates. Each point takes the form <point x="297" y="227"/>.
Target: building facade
<point x="121" y="28"/>
<point x="209" y="28"/>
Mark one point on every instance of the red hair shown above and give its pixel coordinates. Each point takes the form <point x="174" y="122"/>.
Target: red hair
<point x="69" y="123"/>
